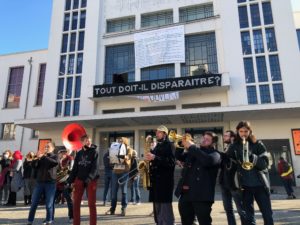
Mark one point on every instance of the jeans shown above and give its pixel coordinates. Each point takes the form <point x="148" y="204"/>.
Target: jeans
<point x="4" y="193"/>
<point x="262" y="198"/>
<point x="49" y="189"/>
<point x="135" y="190"/>
<point x="115" y="187"/>
<point x="227" y="196"/>
<point x="107" y="183"/>
<point x="287" y="183"/>
<point x="67" y="195"/>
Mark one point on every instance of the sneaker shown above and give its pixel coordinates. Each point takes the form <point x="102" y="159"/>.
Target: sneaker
<point x="138" y="203"/>
<point x="123" y="212"/>
<point x="110" y="212"/>
<point x="47" y="222"/>
<point x="131" y="203"/>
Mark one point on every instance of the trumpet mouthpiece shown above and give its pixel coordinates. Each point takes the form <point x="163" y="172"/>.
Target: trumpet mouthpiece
<point x="244" y="140"/>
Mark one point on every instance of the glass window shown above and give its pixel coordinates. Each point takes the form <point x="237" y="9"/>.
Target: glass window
<point x="71" y="64"/>
<point x="119" y="59"/>
<point x="261" y="69"/>
<point x="298" y="36"/>
<point x="58" y="108"/>
<point x="158" y="72"/>
<point x="255" y="17"/>
<point x="246" y="42"/>
<point x="79" y="63"/>
<point x="64" y="45"/>
<point x="196" y="12"/>
<point x="264" y="94"/>
<point x="251" y="95"/>
<point x="240" y="1"/>
<point x="83" y="3"/>
<point x="62" y="65"/>
<point x="258" y="41"/>
<point x="74" y="20"/>
<point x="275" y="67"/>
<point x="14" y="87"/>
<point x="8" y="131"/>
<point x="200" y="54"/>
<point x="243" y="17"/>
<point x="76" y="108"/>
<point x="119" y="25"/>
<point x="278" y="93"/>
<point x="271" y="39"/>
<point x="40" y="91"/>
<point x="67" y="108"/>
<point x="267" y="11"/>
<point x="82" y="19"/>
<point x="81" y="41"/>
<point x="77" y="87"/>
<point x="66" y="21"/>
<point x="68" y="5"/>
<point x="249" y="72"/>
<point x="75" y="4"/>
<point x="72" y="42"/>
<point x="60" y="88"/>
<point x="35" y="134"/>
<point x="157" y="19"/>
<point x="69" y="87"/>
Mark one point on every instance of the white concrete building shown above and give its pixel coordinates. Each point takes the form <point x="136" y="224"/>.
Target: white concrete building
<point x="95" y="45"/>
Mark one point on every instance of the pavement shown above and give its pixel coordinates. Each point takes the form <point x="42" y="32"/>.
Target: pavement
<point x="285" y="212"/>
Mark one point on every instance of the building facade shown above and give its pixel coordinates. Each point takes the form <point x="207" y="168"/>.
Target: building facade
<point x="121" y="68"/>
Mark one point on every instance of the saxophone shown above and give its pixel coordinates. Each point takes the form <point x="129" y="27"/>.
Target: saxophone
<point x="143" y="166"/>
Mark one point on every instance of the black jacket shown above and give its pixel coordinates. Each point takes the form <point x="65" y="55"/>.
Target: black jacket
<point x="162" y="172"/>
<point x="28" y="169"/>
<point x="46" y="168"/>
<point x="199" y="173"/>
<point x="85" y="165"/>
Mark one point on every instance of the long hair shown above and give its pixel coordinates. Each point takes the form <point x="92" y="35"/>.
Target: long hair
<point x="245" y="124"/>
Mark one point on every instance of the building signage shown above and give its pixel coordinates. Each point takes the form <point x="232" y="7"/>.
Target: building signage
<point x="296" y="140"/>
<point x="156" y="86"/>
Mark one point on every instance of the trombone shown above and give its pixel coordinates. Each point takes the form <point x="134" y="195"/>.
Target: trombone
<point x="141" y="168"/>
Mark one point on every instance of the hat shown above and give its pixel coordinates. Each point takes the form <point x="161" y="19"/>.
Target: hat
<point x="163" y="129"/>
<point x="134" y="153"/>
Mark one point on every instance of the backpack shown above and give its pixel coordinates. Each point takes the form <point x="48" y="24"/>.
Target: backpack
<point x="285" y="167"/>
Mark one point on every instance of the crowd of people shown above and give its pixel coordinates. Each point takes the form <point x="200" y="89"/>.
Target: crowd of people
<point x="58" y="174"/>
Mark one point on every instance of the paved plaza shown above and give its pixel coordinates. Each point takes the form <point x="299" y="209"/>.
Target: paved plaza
<point x="285" y="212"/>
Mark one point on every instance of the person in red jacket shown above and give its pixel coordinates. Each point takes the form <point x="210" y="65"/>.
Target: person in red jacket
<point x="286" y="174"/>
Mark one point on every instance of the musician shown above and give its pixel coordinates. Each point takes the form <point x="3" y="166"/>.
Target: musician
<point x="226" y="179"/>
<point x="46" y="168"/>
<point x="196" y="188"/>
<point x="135" y="180"/>
<point x="108" y="167"/>
<point x="28" y="175"/>
<point x="84" y="176"/>
<point x="120" y="175"/>
<point x="162" y="164"/>
<point x="254" y="181"/>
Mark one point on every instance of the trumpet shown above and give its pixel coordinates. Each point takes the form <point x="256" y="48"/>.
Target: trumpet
<point x="246" y="165"/>
<point x="176" y="139"/>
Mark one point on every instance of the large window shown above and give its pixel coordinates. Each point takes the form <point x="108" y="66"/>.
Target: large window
<point x="72" y="42"/>
<point x="158" y="72"/>
<point x="278" y="93"/>
<point x="275" y="67"/>
<point x="261" y="69"/>
<point x="64" y="44"/>
<point x="157" y="19"/>
<point x="271" y="39"/>
<point x="200" y="53"/>
<point x="246" y="42"/>
<point x="252" y="95"/>
<point x="258" y="41"/>
<point x="264" y="94"/>
<point x="243" y="17"/>
<point x="80" y="41"/>
<point x="66" y="22"/>
<point x="267" y="11"/>
<point x="298" y="36"/>
<point x="255" y="17"/>
<point x="40" y="91"/>
<point x="119" y="59"/>
<point x="74" y="20"/>
<point x="249" y="72"/>
<point x="8" y="131"/>
<point x="14" y="87"/>
<point x="119" y="25"/>
<point x="196" y="12"/>
<point x="82" y="19"/>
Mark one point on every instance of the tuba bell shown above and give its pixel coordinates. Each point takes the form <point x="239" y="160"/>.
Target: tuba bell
<point x="71" y="136"/>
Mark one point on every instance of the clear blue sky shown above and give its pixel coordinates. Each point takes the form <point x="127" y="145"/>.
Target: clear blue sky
<point x="25" y="24"/>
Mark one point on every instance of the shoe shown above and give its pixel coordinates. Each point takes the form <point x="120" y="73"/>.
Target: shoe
<point x="110" y="212"/>
<point x="103" y="204"/>
<point x="29" y="223"/>
<point x="289" y="197"/>
<point x="138" y="203"/>
<point x="123" y="212"/>
<point x="131" y="203"/>
<point x="47" y="222"/>
<point x="71" y="220"/>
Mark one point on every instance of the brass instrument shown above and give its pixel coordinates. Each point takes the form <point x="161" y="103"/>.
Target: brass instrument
<point x="144" y="167"/>
<point x="246" y="164"/>
<point x="62" y="175"/>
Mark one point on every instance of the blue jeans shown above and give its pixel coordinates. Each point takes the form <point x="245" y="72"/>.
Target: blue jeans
<point x="262" y="198"/>
<point x="135" y="190"/>
<point x="49" y="189"/>
<point x="287" y="183"/>
<point x="107" y="183"/>
<point x="227" y="196"/>
<point x="115" y="188"/>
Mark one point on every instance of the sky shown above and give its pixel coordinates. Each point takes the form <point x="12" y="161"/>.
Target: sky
<point x="25" y="24"/>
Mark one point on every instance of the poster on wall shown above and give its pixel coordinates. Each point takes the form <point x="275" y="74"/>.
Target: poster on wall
<point x="42" y="144"/>
<point x="162" y="46"/>
<point x="296" y="140"/>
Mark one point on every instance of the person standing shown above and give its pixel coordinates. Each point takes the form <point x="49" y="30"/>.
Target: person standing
<point x="196" y="188"/>
<point x="135" y="180"/>
<point x="28" y="175"/>
<point x="107" y="176"/>
<point x="46" y="168"/>
<point x="286" y="174"/>
<point x="162" y="165"/>
<point x="226" y="177"/>
<point x="84" y="176"/>
<point x="253" y="173"/>
<point x="5" y="182"/>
